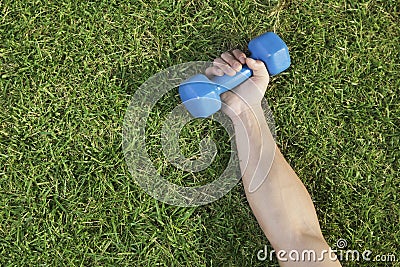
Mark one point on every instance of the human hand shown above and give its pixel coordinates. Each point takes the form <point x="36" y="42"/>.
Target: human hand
<point x="248" y="94"/>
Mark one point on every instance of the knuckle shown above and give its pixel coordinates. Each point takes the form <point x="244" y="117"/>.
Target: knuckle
<point x="227" y="57"/>
<point x="214" y="69"/>
<point x="217" y="62"/>
<point x="238" y="52"/>
<point x="259" y="64"/>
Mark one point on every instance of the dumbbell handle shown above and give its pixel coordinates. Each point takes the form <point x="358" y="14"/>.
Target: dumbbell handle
<point x="226" y="82"/>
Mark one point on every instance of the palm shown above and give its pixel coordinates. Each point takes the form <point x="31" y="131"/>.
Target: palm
<point x="244" y="96"/>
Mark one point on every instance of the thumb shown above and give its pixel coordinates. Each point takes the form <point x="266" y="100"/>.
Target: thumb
<point x="258" y="68"/>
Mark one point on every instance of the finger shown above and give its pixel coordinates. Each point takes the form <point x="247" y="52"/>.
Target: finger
<point x="214" y="71"/>
<point x="224" y="66"/>
<point x="258" y="68"/>
<point x="239" y="55"/>
<point x="232" y="61"/>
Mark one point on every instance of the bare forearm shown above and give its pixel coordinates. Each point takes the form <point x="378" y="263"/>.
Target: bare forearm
<point x="281" y="205"/>
<point x="256" y="147"/>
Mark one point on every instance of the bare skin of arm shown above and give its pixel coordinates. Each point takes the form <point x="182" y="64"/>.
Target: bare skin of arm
<point x="281" y="204"/>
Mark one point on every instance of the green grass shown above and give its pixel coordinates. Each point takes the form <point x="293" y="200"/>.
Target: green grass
<point x="69" y="68"/>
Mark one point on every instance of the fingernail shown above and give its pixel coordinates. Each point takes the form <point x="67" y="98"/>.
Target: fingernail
<point x="242" y="59"/>
<point x="237" y="66"/>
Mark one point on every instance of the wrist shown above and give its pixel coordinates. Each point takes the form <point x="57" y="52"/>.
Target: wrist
<point x="247" y="114"/>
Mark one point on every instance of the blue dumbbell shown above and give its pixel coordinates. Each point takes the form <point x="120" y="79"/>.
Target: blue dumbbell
<point x="201" y="96"/>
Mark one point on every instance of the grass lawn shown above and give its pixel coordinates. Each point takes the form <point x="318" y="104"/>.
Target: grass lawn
<point x="68" y="70"/>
